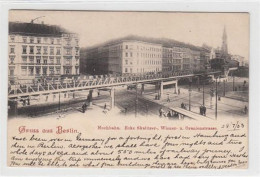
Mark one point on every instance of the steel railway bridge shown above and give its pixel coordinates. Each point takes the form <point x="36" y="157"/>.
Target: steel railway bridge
<point x="20" y="92"/>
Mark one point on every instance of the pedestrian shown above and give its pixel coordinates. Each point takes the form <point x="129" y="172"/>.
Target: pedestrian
<point x="201" y="110"/>
<point x="179" y="91"/>
<point x="160" y="112"/>
<point x="246" y="109"/>
<point x="219" y="98"/>
<point x="204" y="110"/>
<point x="182" y="105"/>
<point x="84" y="106"/>
<point x="105" y="108"/>
<point x="169" y="114"/>
<point x="24" y="103"/>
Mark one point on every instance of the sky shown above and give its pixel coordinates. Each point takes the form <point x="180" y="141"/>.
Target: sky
<point x="95" y="27"/>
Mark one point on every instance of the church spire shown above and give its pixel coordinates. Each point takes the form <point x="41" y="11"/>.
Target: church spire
<point x="224" y="42"/>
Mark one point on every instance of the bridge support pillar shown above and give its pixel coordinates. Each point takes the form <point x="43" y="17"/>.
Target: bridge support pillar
<point x="142" y="89"/>
<point x="53" y="97"/>
<point x="90" y="97"/>
<point x="46" y="98"/>
<point x="28" y="100"/>
<point x="14" y="107"/>
<point x="112" y="98"/>
<point x="161" y="90"/>
<point x="176" y="87"/>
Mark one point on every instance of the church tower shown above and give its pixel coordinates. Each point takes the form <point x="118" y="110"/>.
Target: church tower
<point x="224" y="47"/>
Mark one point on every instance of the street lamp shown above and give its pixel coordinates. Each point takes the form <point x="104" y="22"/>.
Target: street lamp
<point x="216" y="107"/>
<point x="224" y="90"/>
<point x="59" y="100"/>
<point x="136" y="99"/>
<point x="203" y="91"/>
<point x="189" y="94"/>
<point x="233" y="82"/>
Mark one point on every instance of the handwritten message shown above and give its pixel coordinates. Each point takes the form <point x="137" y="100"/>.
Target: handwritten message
<point x="202" y="149"/>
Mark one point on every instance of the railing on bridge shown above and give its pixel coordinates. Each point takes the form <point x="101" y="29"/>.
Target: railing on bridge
<point x="191" y="115"/>
<point x="81" y="83"/>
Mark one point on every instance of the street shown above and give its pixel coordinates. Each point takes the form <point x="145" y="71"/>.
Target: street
<point x="133" y="103"/>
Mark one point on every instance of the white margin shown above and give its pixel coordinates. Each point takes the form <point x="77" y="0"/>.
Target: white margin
<point x="252" y="7"/>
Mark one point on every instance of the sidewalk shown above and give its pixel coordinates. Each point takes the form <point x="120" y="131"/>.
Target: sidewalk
<point x="226" y="107"/>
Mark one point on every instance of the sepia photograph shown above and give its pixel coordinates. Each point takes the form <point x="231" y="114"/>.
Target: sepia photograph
<point x="135" y="63"/>
<point x="128" y="89"/>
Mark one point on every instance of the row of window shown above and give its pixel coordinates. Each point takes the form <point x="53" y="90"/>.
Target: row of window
<point x="149" y="48"/>
<point x="143" y="55"/>
<point x="141" y="70"/>
<point x="39" y="71"/>
<point x="146" y="62"/>
<point x="37" y="40"/>
<point x="40" y="60"/>
<point x="45" y="50"/>
<point x="172" y="68"/>
<point x="31" y="71"/>
<point x="46" y="60"/>
<point x="143" y="48"/>
<point x="173" y="55"/>
<point x="174" y="61"/>
<point x="39" y="50"/>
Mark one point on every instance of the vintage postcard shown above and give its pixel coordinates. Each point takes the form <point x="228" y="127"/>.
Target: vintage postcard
<point x="128" y="89"/>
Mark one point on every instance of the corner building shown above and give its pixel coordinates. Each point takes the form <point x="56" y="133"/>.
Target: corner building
<point x="39" y="51"/>
<point x="134" y="54"/>
<point x="123" y="57"/>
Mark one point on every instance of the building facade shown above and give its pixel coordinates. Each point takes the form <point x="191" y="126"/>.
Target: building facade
<point x="195" y="60"/>
<point x="123" y="57"/>
<point x="133" y="55"/>
<point x="174" y="59"/>
<point x="240" y="59"/>
<point x="39" y="51"/>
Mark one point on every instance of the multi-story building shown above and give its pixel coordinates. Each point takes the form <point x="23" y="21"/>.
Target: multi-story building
<point x="123" y="56"/>
<point x="195" y="60"/>
<point x="38" y="51"/>
<point x="204" y="59"/>
<point x="240" y="59"/>
<point x="133" y="54"/>
<point x="186" y="62"/>
<point x="172" y="59"/>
